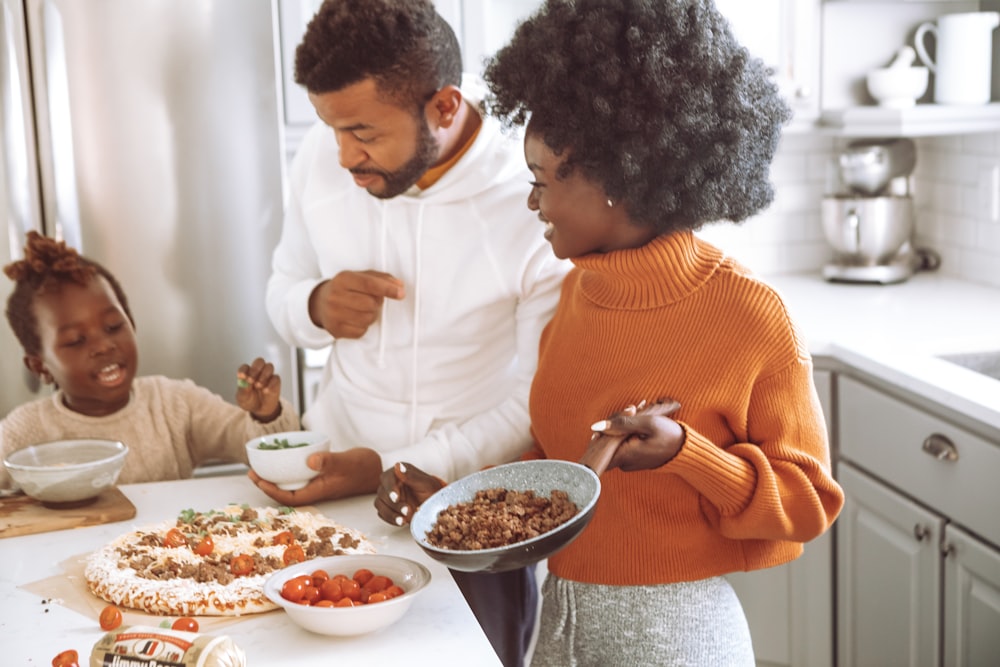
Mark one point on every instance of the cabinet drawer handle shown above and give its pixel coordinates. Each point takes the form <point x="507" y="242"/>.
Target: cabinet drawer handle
<point x="921" y="532"/>
<point x="940" y="447"/>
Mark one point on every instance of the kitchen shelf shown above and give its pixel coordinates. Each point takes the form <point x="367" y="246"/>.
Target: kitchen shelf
<point x="917" y="121"/>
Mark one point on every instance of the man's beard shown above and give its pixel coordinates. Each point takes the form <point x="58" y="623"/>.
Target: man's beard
<point x="399" y="181"/>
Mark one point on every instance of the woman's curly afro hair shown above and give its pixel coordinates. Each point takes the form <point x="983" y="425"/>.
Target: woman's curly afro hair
<point x="655" y="100"/>
<point x="47" y="266"/>
<point x="404" y="45"/>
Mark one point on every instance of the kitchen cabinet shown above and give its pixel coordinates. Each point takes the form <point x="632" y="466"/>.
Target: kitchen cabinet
<point x="789" y="608"/>
<point x="918" y="561"/>
<point x="785" y="34"/>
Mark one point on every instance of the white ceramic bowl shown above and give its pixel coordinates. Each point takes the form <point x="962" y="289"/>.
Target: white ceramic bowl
<point x="286" y="467"/>
<point x="897" y="87"/>
<point x="67" y="472"/>
<point x="408" y="574"/>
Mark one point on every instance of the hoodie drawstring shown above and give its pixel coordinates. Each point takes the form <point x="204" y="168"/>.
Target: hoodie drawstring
<point x="416" y="324"/>
<point x="384" y="268"/>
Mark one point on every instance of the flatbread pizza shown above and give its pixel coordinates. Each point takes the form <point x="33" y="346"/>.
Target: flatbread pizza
<point x="213" y="563"/>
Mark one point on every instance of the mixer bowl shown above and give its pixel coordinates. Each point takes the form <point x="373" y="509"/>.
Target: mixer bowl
<point x="867" y="165"/>
<point x="866" y="231"/>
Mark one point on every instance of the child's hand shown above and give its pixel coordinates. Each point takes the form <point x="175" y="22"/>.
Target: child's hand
<point x="259" y="390"/>
<point x="649" y="438"/>
<point x="401" y="490"/>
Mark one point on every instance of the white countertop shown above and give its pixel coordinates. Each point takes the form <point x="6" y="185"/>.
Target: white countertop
<point x="438" y="630"/>
<point x="894" y="332"/>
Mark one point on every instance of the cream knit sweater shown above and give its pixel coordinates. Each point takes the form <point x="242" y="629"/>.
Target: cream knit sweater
<point x="170" y="426"/>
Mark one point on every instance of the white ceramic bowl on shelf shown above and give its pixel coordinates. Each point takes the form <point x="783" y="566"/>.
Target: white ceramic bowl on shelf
<point x="897" y="87"/>
<point x="281" y="457"/>
<point x="66" y="473"/>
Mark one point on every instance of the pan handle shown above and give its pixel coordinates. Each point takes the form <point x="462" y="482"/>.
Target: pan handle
<point x="600" y="452"/>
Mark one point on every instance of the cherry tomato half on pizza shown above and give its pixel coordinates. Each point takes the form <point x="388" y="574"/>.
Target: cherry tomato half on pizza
<point x="174" y="538"/>
<point x="204" y="546"/>
<point x="293" y="553"/>
<point x="284" y="537"/>
<point x="241" y="565"/>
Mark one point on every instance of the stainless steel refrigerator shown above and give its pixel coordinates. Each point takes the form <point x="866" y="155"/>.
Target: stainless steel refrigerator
<point x="148" y="135"/>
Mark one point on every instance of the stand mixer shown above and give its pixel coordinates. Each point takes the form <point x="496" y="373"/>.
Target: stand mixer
<point x="870" y="225"/>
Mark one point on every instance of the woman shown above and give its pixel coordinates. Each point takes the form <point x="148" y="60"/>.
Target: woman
<point x="647" y="121"/>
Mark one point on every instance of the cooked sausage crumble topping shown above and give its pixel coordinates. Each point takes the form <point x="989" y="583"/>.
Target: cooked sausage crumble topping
<point x="499" y="517"/>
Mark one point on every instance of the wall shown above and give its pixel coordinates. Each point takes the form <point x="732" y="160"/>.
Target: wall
<point x="957" y="194"/>
<point x="958" y="197"/>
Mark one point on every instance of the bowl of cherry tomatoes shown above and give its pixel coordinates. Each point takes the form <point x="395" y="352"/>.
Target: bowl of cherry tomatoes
<point x="347" y="595"/>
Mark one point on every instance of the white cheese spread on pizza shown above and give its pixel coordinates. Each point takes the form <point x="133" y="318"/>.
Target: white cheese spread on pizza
<point x="213" y="563"/>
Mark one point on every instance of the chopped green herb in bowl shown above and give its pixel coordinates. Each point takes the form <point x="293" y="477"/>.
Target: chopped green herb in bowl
<point x="281" y="443"/>
<point x="283" y="458"/>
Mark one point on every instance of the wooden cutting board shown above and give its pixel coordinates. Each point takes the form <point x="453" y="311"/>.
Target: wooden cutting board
<point x="21" y="515"/>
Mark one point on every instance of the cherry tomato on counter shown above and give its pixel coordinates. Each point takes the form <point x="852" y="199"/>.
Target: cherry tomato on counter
<point x="111" y="617"/>
<point x="185" y="623"/>
<point x="68" y="658"/>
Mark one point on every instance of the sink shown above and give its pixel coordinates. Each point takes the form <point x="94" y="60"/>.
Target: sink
<point x="985" y="363"/>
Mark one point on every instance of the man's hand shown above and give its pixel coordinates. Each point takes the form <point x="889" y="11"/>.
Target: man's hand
<point x="350" y="302"/>
<point x="353" y="472"/>
<point x="402" y="489"/>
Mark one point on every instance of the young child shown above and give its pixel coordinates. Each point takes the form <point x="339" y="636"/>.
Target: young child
<point x="73" y="320"/>
<point x="647" y="121"/>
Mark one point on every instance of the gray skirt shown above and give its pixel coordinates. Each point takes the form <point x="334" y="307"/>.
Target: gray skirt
<point x="694" y="624"/>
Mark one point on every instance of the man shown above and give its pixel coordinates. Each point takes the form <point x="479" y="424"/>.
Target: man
<point x="408" y="249"/>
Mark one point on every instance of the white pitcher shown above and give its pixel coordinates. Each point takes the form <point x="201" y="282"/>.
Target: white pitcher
<point x="964" y="56"/>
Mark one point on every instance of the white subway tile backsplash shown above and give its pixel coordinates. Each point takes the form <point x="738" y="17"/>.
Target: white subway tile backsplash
<point x="956" y="191"/>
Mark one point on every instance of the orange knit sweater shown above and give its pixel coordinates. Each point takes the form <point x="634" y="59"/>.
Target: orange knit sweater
<point x="677" y="319"/>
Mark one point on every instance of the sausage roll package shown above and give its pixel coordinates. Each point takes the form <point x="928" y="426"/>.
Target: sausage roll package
<point x="145" y="646"/>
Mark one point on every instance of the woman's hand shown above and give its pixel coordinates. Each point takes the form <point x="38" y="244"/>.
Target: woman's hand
<point x="402" y="489"/>
<point x="647" y="437"/>
<point x="258" y="390"/>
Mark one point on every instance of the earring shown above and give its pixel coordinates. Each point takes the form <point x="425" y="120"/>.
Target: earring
<point x="610" y="203"/>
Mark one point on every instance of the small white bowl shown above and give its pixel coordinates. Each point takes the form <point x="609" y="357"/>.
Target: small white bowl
<point x="897" y="87"/>
<point x="408" y="574"/>
<point x="286" y="467"/>
<point x="67" y="473"/>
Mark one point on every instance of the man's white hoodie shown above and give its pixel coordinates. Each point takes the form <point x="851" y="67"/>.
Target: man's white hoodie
<point x="442" y="379"/>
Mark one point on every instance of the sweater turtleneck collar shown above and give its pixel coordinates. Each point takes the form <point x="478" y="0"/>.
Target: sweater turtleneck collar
<point x="662" y="272"/>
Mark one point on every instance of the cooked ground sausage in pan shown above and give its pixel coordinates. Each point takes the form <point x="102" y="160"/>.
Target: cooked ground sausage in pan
<point x="499" y="517"/>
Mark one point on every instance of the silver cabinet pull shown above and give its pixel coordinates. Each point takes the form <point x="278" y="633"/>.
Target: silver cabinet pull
<point x="921" y="532"/>
<point x="940" y="447"/>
